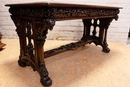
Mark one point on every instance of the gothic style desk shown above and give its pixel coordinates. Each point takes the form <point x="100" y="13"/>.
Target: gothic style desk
<point x="33" y="20"/>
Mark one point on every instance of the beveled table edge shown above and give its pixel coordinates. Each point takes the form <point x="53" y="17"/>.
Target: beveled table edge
<point x="59" y="4"/>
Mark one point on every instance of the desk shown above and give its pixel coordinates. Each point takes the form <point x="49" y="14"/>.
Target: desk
<point x="33" y="20"/>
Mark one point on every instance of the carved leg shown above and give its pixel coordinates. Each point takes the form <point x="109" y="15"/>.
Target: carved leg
<point x="40" y="31"/>
<point x="86" y="32"/>
<point x="32" y="35"/>
<point x="91" y="25"/>
<point x="21" y="63"/>
<point x="45" y="80"/>
<point x="105" y="47"/>
<point x="87" y="35"/>
<point x="20" y="31"/>
<point x="104" y="24"/>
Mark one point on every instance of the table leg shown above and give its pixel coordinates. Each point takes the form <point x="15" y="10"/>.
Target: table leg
<point x="90" y="32"/>
<point x="40" y="30"/>
<point x="20" y="31"/>
<point x="32" y="34"/>
<point x="104" y="25"/>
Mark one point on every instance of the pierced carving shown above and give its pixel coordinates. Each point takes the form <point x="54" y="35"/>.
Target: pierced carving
<point x="30" y="48"/>
<point x="30" y="51"/>
<point x="103" y="25"/>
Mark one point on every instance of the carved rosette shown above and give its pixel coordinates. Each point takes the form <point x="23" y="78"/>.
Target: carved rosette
<point x="60" y="13"/>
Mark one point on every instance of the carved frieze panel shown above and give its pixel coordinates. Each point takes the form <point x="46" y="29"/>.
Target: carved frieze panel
<point x="60" y="13"/>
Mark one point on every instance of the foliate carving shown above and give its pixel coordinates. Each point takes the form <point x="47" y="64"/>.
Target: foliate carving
<point x="59" y="13"/>
<point x="49" y="23"/>
<point x="81" y="12"/>
<point x="42" y="29"/>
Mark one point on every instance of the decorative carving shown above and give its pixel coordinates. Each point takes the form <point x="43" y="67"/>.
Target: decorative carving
<point x="71" y="46"/>
<point x="42" y="29"/>
<point x="45" y="80"/>
<point x="30" y="51"/>
<point x="106" y="23"/>
<point x="60" y="13"/>
<point x="103" y="26"/>
<point x="28" y="31"/>
<point x="33" y="21"/>
<point x="81" y="12"/>
<point x="95" y="25"/>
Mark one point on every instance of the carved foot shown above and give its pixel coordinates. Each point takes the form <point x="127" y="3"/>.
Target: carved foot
<point x="45" y="80"/>
<point x="105" y="48"/>
<point x="21" y="63"/>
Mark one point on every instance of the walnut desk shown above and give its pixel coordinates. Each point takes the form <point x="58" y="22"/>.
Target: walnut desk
<point x="33" y="20"/>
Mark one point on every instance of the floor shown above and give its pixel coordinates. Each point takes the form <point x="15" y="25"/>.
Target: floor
<point x="86" y="67"/>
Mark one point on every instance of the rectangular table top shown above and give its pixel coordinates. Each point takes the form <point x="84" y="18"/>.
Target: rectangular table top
<point x="62" y="11"/>
<point x="57" y="4"/>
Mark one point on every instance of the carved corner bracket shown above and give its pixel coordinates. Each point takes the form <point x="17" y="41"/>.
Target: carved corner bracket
<point x="42" y="30"/>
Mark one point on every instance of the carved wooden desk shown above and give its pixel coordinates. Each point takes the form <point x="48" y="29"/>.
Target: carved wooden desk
<point x="33" y="20"/>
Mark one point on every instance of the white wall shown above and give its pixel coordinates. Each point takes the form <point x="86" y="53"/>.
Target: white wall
<point x="72" y="30"/>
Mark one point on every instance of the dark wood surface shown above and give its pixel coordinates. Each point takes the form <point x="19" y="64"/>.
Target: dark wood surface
<point x="62" y="11"/>
<point x="58" y="4"/>
<point x="33" y="20"/>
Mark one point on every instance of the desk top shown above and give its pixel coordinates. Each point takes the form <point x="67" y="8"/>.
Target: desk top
<point x="53" y="4"/>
